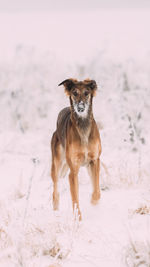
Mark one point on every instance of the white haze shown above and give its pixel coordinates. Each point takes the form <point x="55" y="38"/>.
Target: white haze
<point x="38" y="51"/>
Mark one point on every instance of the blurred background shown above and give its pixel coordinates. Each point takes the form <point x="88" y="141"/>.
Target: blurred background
<point x="50" y="5"/>
<point x="45" y="42"/>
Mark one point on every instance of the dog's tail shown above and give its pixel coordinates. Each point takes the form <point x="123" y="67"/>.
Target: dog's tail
<point x="99" y="125"/>
<point x="105" y="168"/>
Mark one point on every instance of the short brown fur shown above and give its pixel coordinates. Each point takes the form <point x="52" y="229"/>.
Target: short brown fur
<point x="76" y="141"/>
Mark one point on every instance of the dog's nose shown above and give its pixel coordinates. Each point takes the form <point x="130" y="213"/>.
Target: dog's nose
<point x="81" y="106"/>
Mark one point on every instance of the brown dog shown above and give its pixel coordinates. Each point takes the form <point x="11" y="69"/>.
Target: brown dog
<point x="76" y="141"/>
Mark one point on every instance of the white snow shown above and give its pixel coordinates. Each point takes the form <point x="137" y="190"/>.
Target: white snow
<point x="38" y="51"/>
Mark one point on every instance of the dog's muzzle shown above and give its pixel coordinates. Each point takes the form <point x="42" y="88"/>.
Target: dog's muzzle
<point x="81" y="107"/>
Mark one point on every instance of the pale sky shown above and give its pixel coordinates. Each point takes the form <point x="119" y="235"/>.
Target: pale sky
<point x="48" y="5"/>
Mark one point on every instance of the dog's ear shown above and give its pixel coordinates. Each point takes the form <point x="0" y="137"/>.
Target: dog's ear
<point x="92" y="85"/>
<point x="68" y="84"/>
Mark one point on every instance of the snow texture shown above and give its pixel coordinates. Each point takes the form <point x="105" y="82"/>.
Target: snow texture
<point x="38" y="51"/>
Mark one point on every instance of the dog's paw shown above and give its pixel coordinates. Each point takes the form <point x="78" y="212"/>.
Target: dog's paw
<point x="95" y="198"/>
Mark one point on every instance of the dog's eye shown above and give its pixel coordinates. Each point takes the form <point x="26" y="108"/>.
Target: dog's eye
<point x="75" y="93"/>
<point x="86" y="93"/>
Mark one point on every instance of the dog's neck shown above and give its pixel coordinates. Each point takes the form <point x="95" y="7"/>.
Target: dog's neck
<point x="82" y="122"/>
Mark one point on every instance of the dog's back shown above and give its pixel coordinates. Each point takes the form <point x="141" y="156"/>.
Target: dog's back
<point x="62" y="123"/>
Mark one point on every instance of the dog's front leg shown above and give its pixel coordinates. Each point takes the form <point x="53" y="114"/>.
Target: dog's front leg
<point x="94" y="169"/>
<point x="74" y="188"/>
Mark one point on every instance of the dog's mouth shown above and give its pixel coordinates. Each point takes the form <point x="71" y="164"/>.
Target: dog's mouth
<point x="80" y="107"/>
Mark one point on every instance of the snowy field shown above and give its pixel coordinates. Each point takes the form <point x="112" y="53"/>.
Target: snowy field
<point x="37" y="52"/>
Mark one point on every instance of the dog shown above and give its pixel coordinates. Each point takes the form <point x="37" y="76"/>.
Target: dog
<point x="76" y="141"/>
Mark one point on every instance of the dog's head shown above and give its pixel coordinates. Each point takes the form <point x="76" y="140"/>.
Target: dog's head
<point x="81" y="94"/>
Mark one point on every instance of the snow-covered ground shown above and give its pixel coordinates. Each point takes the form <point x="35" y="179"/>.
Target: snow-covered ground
<point x="37" y="52"/>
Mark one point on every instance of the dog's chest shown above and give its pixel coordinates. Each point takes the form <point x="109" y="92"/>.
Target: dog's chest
<point x="89" y="153"/>
<point x="89" y="149"/>
<point x="84" y="136"/>
<point x="85" y="156"/>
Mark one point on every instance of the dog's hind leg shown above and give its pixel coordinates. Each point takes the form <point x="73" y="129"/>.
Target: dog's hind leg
<point x="55" y="168"/>
<point x="64" y="170"/>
